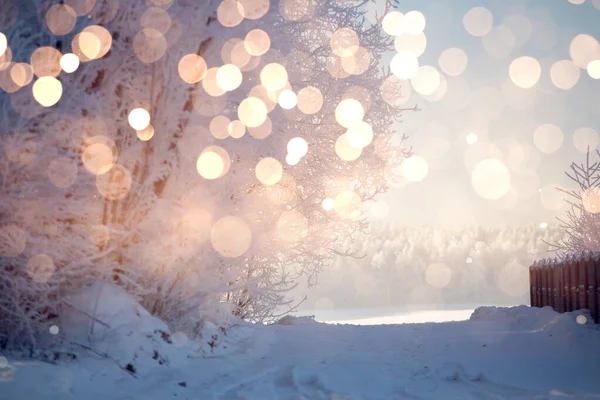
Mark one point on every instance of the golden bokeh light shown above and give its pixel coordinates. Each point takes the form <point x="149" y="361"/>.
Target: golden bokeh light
<point x="229" y="77"/>
<point x="392" y="23"/>
<point x="156" y="18"/>
<point x="231" y="237"/>
<point x="47" y="91"/>
<point x="40" y="268"/>
<point x="6" y="59"/>
<point x="348" y="112"/>
<point x="62" y="172"/>
<point x="415" y="44"/>
<point x="548" y="138"/>
<point x="426" y="80"/>
<point x="310" y="100"/>
<point x="98" y="158"/>
<point x="292" y="226"/>
<point x="219" y="127"/>
<point x="236" y="129"/>
<point x="360" y="134"/>
<point x="89" y="45"/>
<point x="21" y="74"/>
<point x="414" y="168"/>
<point x="358" y="63"/>
<point x="297" y="147"/>
<point x="115" y="184"/>
<point x="453" y="61"/>
<point x="257" y="42"/>
<point x="102" y="37"/>
<point x="590" y="198"/>
<point x="585" y="139"/>
<point x="345" y="150"/>
<point x="45" y="61"/>
<point x="584" y="49"/>
<point x="593" y="69"/>
<point x="273" y="77"/>
<point x="3" y="43"/>
<point x="438" y="275"/>
<point x="61" y="19"/>
<point x="335" y="68"/>
<point x="478" y="21"/>
<point x="255" y="9"/>
<point x="209" y="83"/>
<point x="234" y="52"/>
<point x="344" y="42"/>
<point x="347" y="204"/>
<point x="261" y="131"/>
<point x="224" y="156"/>
<point x="12" y="240"/>
<point x="252" y="112"/>
<point x="263" y="95"/>
<point x="149" y="45"/>
<point x="192" y="68"/>
<point x="491" y="179"/>
<point x="138" y="119"/>
<point x="287" y="99"/>
<point x="471" y="138"/>
<point x="291" y="160"/>
<point x="404" y="65"/>
<point x="146" y="134"/>
<point x="413" y="23"/>
<point x="69" y="63"/>
<point x="210" y="165"/>
<point x="81" y="7"/>
<point x="230" y="13"/>
<point x="525" y="72"/>
<point x="269" y="171"/>
<point x="328" y="204"/>
<point x="564" y="74"/>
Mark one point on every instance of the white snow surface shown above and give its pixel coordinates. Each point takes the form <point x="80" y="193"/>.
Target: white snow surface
<point x="499" y="353"/>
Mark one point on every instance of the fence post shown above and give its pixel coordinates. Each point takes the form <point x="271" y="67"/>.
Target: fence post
<point x="566" y="275"/>
<point x="532" y="284"/>
<point x="592" y="301"/>
<point x="538" y="278"/>
<point x="574" y="278"/>
<point x="544" y="280"/>
<point x="583" y="282"/>
<point x="557" y="286"/>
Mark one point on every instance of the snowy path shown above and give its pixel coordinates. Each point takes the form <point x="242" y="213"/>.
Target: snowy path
<point x="522" y="354"/>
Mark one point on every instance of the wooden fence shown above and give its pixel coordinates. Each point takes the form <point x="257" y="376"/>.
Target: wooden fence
<point x="567" y="285"/>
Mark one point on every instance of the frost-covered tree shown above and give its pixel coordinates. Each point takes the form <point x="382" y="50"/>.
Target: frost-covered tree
<point x="202" y="152"/>
<point x="582" y="221"/>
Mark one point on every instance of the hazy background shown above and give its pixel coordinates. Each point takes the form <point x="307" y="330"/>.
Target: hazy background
<point x="437" y="242"/>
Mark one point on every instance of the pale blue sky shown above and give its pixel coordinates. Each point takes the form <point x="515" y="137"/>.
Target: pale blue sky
<point x="446" y="196"/>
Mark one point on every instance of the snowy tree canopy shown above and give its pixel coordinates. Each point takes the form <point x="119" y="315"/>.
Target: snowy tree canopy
<point x="189" y="151"/>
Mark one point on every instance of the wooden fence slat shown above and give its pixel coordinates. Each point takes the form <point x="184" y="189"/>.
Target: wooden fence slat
<point x="592" y="301"/>
<point x="557" y="288"/>
<point x="574" y="280"/>
<point x="582" y="283"/>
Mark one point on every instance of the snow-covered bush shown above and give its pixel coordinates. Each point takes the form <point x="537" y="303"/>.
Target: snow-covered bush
<point x="94" y="189"/>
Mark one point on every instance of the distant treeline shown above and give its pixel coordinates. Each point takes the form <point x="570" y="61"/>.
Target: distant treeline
<point x="406" y="265"/>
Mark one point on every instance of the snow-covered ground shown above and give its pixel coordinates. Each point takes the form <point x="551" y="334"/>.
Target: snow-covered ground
<point x="499" y="353"/>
